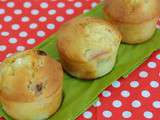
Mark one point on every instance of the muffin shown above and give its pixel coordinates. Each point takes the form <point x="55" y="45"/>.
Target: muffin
<point x="30" y="85"/>
<point x="88" y="47"/>
<point x="136" y="33"/>
<point x="136" y="19"/>
<point x="132" y="11"/>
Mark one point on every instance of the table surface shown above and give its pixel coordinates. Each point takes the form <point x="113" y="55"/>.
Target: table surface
<point x="25" y="24"/>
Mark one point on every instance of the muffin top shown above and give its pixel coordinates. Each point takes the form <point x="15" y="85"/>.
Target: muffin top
<point x="29" y="75"/>
<point x="86" y="39"/>
<point x="132" y="11"/>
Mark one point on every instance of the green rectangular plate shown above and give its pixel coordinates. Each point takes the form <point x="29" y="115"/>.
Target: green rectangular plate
<point x="80" y="94"/>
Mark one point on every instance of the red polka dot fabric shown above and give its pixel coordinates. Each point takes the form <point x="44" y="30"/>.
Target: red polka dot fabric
<point x="25" y="24"/>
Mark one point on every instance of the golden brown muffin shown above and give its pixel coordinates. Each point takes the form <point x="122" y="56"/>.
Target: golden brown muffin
<point x="132" y="11"/>
<point x="136" y="33"/>
<point x="31" y="85"/>
<point x="88" y="47"/>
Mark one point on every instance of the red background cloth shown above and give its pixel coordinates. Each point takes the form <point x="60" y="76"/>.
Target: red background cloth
<point x="25" y="24"/>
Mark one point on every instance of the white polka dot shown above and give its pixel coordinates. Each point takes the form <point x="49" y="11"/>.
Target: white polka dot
<point x="9" y="55"/>
<point x="97" y="104"/>
<point x="143" y="74"/>
<point x="78" y="4"/>
<point x="27" y="4"/>
<point x="2" y="48"/>
<point x="10" y="4"/>
<point x="107" y="114"/>
<point x="158" y="56"/>
<point x="17" y="11"/>
<point x="87" y="115"/>
<point x="25" y="19"/>
<point x="126" y="114"/>
<point x="42" y="19"/>
<point x="152" y="65"/>
<point x="145" y="93"/>
<point x="158" y="26"/>
<point x="2" y="11"/>
<point x="148" y="114"/>
<point x="52" y="12"/>
<point x="7" y="18"/>
<point x="69" y="11"/>
<point x="12" y="40"/>
<point x="106" y="93"/>
<point x="125" y="93"/>
<point x="41" y="33"/>
<point x="34" y="12"/>
<point x="136" y="104"/>
<point x="5" y="33"/>
<point x="31" y="41"/>
<point x="1" y="26"/>
<point x="23" y="34"/>
<point x="60" y="19"/>
<point x="50" y="26"/>
<point x="116" y="84"/>
<point x="117" y="103"/>
<point x="86" y="11"/>
<point x="94" y="4"/>
<point x="33" y="26"/>
<point x="44" y="5"/>
<point x="156" y="104"/>
<point x="20" y="48"/>
<point x="60" y="5"/>
<point x="134" y="84"/>
<point x="15" y="26"/>
<point x="154" y="84"/>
